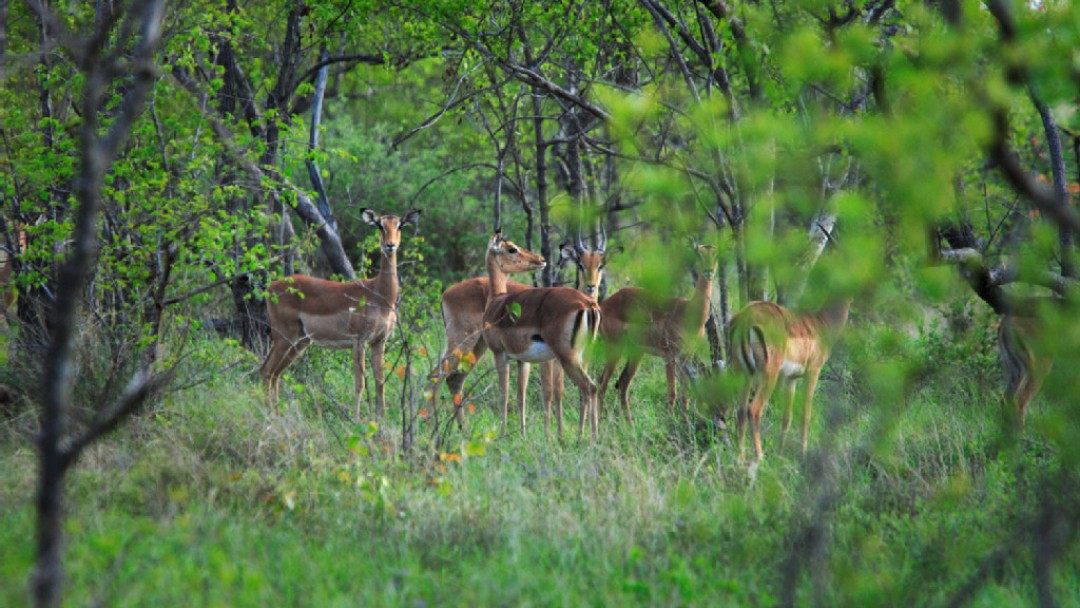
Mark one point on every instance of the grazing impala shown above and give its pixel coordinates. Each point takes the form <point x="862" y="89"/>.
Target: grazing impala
<point x="1026" y="363"/>
<point x="305" y="310"/>
<point x="463" y="318"/>
<point x="537" y="325"/>
<point x="633" y="326"/>
<point x="769" y="345"/>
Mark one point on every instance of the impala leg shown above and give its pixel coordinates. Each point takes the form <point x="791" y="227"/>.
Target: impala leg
<point x="502" y="368"/>
<point x="523" y="385"/>
<point x="633" y="363"/>
<point x="557" y="390"/>
<point x="359" y="371"/>
<point x="757" y="406"/>
<point x="787" y="390"/>
<point x="455" y="376"/>
<point x="605" y="377"/>
<point x="672" y="391"/>
<point x="545" y="394"/>
<point x="281" y="356"/>
<point x="742" y="416"/>
<point x="811" y="386"/>
<point x="587" y="390"/>
<point x="378" y="352"/>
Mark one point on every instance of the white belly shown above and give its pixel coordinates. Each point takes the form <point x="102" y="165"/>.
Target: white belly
<point x="790" y="369"/>
<point x="538" y="352"/>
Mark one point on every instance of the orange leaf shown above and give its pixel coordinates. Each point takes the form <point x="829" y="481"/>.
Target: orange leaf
<point x="470" y="358"/>
<point x="1042" y="178"/>
<point x="1074" y="188"/>
<point x="421" y="351"/>
<point x="472" y="408"/>
<point x="400" y="371"/>
<point x="457" y="399"/>
<point x="423" y="413"/>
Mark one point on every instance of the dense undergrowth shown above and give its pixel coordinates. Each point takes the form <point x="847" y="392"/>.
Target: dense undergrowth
<point x="209" y="497"/>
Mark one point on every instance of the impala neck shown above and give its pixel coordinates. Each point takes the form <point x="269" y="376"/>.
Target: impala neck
<point x="496" y="278"/>
<point x="386" y="282"/>
<point x="835" y="315"/>
<point x="699" y="303"/>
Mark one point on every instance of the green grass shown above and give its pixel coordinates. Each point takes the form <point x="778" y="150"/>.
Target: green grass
<point x="213" y="499"/>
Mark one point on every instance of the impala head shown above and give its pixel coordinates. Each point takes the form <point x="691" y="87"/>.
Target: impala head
<point x="589" y="263"/>
<point x="510" y="258"/>
<point x="707" y="260"/>
<point x="390" y="227"/>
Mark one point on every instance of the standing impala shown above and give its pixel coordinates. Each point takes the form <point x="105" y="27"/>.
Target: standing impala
<point x="537" y="325"/>
<point x="305" y="310"/>
<point x="769" y="345"/>
<point x="633" y="326"/>
<point x="1026" y="363"/>
<point x="463" y="314"/>
<point x="590" y="265"/>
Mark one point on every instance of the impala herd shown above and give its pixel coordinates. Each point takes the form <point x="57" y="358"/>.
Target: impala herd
<point x="768" y="346"/>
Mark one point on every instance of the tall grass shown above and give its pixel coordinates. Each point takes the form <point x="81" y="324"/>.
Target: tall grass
<point x="212" y="498"/>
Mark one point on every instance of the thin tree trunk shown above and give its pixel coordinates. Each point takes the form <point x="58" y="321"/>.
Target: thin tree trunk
<point x="1057" y="167"/>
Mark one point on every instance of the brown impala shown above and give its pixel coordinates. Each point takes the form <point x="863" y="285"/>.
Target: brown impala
<point x="305" y="310"/>
<point x="1026" y="363"/>
<point x="633" y="326"/>
<point x="769" y="345"/>
<point x="537" y="325"/>
<point x="463" y="314"/>
<point x="591" y="272"/>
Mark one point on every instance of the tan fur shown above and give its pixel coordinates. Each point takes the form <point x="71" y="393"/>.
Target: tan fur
<point x="8" y="293"/>
<point x="770" y="345"/>
<point x="306" y="310"/>
<point x="590" y="265"/>
<point x="633" y="326"/>
<point x="1026" y="365"/>
<point x="463" y="317"/>
<point x="517" y="325"/>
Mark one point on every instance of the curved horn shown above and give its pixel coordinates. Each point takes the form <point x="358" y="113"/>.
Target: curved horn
<point x="601" y="245"/>
<point x="580" y="244"/>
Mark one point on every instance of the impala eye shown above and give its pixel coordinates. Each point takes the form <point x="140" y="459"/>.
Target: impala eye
<point x="511" y="250"/>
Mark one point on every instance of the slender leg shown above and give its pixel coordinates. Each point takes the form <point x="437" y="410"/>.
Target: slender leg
<point x="672" y="391"/>
<point x="605" y="377"/>
<point x="588" y="397"/>
<point x="633" y="363"/>
<point x="557" y="390"/>
<point x="523" y="385"/>
<point x="502" y="368"/>
<point x="546" y="387"/>
<point x="761" y="399"/>
<point x="742" y="414"/>
<point x="359" y="371"/>
<point x="787" y="391"/>
<point x="811" y="386"/>
<point x="455" y="376"/>
<point x="378" y="351"/>
<point x="277" y="362"/>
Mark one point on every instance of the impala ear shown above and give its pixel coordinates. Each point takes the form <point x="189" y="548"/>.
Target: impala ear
<point x="411" y="217"/>
<point x="496" y="240"/>
<point x="567" y="253"/>
<point x="370" y="217"/>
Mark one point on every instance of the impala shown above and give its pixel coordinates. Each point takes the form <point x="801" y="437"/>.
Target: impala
<point x="463" y="313"/>
<point x="633" y="326"/>
<point x="537" y="325"/>
<point x="769" y="345"/>
<point x="590" y="264"/>
<point x="305" y="310"/>
<point x="8" y="293"/>
<point x="1026" y="363"/>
